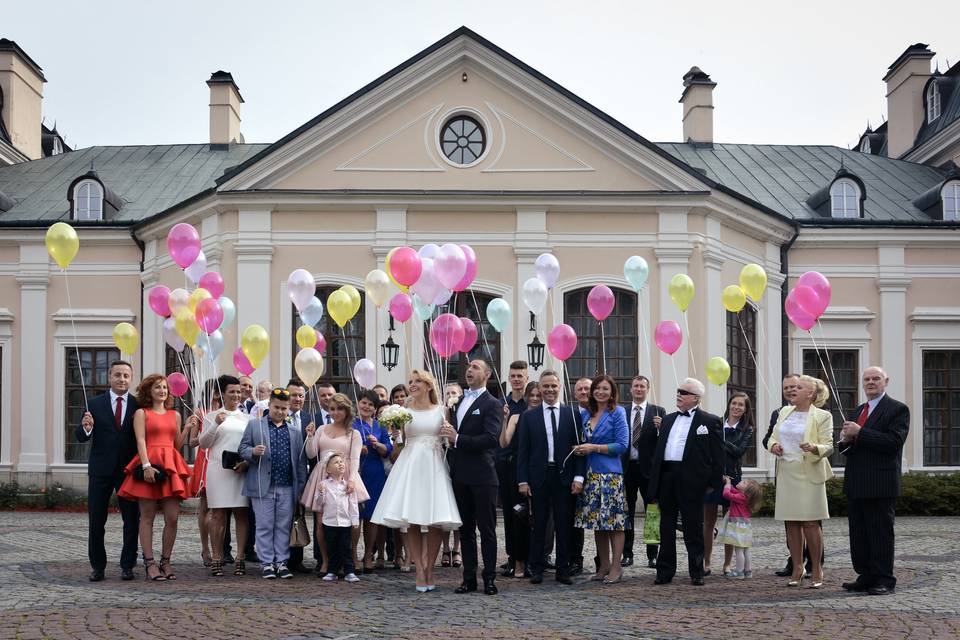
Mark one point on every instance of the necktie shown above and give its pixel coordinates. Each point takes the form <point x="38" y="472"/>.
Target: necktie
<point x="637" y="421"/>
<point x="328" y="419"/>
<point x="553" y="425"/>
<point x="118" y="414"/>
<point x="862" y="418"/>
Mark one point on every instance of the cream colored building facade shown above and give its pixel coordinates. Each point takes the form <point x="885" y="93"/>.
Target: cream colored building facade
<point x="554" y="175"/>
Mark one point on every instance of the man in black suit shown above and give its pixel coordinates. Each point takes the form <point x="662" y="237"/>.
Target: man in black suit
<point x="872" y="440"/>
<point x="637" y="460"/>
<point x="549" y="475"/>
<point x="688" y="464"/>
<point x="108" y="424"/>
<point x="473" y="438"/>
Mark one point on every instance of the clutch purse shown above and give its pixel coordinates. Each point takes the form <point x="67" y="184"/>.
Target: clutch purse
<point x="230" y="459"/>
<point x="157" y="478"/>
<point x="299" y="534"/>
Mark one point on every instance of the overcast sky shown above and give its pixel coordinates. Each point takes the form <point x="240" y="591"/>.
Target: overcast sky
<point x="787" y="72"/>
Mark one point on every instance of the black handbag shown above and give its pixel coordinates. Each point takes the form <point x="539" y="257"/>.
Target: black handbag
<point x="230" y="459"/>
<point x="158" y="477"/>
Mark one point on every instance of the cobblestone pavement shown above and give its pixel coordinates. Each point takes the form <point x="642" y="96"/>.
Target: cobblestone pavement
<point x="44" y="593"/>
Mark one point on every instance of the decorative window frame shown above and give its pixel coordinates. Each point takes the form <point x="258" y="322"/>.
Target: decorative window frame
<point x="865" y="145"/>
<point x="75" y="197"/>
<point x="951" y="215"/>
<point x="472" y="113"/>
<point x="934" y="328"/>
<point x="932" y="102"/>
<point x="844" y="183"/>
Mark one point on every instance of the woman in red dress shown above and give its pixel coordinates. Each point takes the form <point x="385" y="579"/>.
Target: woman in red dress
<point x="165" y="475"/>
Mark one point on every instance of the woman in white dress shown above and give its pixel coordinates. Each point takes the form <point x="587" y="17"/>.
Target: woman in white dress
<point x="222" y="431"/>
<point x="418" y="496"/>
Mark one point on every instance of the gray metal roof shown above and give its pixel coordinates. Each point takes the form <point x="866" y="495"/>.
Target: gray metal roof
<point x="148" y="179"/>
<point x="782" y="177"/>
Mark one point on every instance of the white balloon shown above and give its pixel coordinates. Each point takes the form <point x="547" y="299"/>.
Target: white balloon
<point x="443" y="297"/>
<point x="547" y="268"/>
<point x="301" y="287"/>
<point x="535" y="295"/>
<point x="170" y="335"/>
<point x="365" y="373"/>
<point x="197" y="268"/>
<point x="428" y="287"/>
<point x="429" y="250"/>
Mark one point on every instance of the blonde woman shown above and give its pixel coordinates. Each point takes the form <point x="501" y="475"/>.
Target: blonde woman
<point x="802" y="440"/>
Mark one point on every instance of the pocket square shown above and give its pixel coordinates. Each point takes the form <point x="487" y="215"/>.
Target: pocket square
<point x="702" y="430"/>
<point x="475" y="412"/>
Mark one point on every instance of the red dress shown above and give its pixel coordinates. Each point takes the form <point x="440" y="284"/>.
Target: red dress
<point x="198" y="481"/>
<point x="161" y="430"/>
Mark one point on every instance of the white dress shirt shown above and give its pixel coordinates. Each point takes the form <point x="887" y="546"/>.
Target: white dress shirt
<point x="468" y="397"/>
<point x="548" y="427"/>
<point x="642" y="408"/>
<point x="113" y="408"/>
<point x="872" y="404"/>
<point x="677" y="440"/>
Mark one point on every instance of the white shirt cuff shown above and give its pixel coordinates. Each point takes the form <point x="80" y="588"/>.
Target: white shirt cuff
<point x="87" y="431"/>
<point x="578" y="479"/>
<point x="455" y="438"/>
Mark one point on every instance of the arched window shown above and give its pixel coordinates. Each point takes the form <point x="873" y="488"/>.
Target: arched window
<point x="933" y="102"/>
<point x="741" y="351"/>
<point x="951" y="200"/>
<point x="865" y="145"/>
<point x="456" y="365"/>
<point x="845" y="199"/>
<point x="88" y="200"/>
<point x="617" y="353"/>
<point x="341" y="354"/>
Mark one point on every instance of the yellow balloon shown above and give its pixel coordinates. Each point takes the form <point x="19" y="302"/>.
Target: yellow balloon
<point x="377" y="286"/>
<point x="718" y="371"/>
<point x="753" y="281"/>
<point x="681" y="290"/>
<point x="355" y="298"/>
<point x="390" y="274"/>
<point x="126" y="337"/>
<point x="734" y="298"/>
<point x="186" y="326"/>
<point x="255" y="343"/>
<point x="62" y="243"/>
<point x="198" y="296"/>
<point x="306" y="337"/>
<point x="309" y="365"/>
<point x="339" y="306"/>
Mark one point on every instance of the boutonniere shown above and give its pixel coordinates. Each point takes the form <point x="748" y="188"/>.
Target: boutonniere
<point x="288" y="420"/>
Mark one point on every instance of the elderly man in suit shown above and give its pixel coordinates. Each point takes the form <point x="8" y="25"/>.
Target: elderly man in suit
<point x="108" y="425"/>
<point x="872" y="440"/>
<point x="688" y="464"/>
<point x="473" y="436"/>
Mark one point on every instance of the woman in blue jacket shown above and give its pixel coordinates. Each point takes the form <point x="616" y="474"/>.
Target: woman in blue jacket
<point x="602" y="505"/>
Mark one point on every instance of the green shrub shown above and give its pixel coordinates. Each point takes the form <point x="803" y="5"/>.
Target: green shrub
<point x="9" y="495"/>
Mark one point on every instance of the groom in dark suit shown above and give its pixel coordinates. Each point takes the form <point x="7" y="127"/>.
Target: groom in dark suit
<point x="473" y="438"/>
<point x="688" y="463"/>
<point x="108" y="424"/>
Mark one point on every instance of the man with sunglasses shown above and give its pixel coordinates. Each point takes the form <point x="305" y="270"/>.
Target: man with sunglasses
<point x="687" y="464"/>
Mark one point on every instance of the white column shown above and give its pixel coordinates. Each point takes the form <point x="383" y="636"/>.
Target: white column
<point x="893" y="319"/>
<point x="392" y="232"/>
<point x="531" y="241"/>
<point x="34" y="279"/>
<point x="716" y="325"/>
<point x="769" y="356"/>
<point x="255" y="293"/>
<point x="210" y="241"/>
<point x="673" y="257"/>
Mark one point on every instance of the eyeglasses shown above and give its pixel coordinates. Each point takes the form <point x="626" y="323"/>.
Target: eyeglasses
<point x="684" y="392"/>
<point x="280" y="394"/>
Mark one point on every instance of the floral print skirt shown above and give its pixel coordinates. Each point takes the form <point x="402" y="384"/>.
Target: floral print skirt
<point x="602" y="506"/>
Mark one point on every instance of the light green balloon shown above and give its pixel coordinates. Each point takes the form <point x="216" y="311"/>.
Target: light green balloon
<point x="498" y="314"/>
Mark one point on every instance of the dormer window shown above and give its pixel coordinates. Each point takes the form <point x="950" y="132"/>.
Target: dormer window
<point x="865" y="145"/>
<point x="951" y="200"/>
<point x="844" y="199"/>
<point x="88" y="200"/>
<point x="933" y="102"/>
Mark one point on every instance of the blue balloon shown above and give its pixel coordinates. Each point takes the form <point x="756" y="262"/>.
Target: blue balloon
<point x="229" y="311"/>
<point x="423" y="311"/>
<point x="312" y="313"/>
<point x="636" y="271"/>
<point x="498" y="314"/>
<point x="214" y="345"/>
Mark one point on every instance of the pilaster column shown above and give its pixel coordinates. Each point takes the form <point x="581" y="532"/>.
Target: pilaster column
<point x="673" y="257"/>
<point x="531" y="241"/>
<point x="715" y="317"/>
<point x="255" y="295"/>
<point x="210" y="241"/>
<point x="33" y="278"/>
<point x="893" y="285"/>
<point x="151" y="328"/>
<point x="392" y="232"/>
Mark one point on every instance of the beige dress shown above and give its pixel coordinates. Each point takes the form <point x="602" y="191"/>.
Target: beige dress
<point x="349" y="447"/>
<point x="798" y="498"/>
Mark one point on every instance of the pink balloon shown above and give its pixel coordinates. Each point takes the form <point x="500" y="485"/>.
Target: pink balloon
<point x="401" y="306"/>
<point x="471" y="273"/>
<point x="821" y="286"/>
<point x="668" y="337"/>
<point x="183" y="244"/>
<point x="177" y="384"/>
<point x="405" y="266"/>
<point x="796" y="313"/>
<point x="212" y="282"/>
<point x="809" y="301"/>
<point x="321" y="345"/>
<point x="209" y="315"/>
<point x="470" y="335"/>
<point x="562" y="341"/>
<point x="241" y="363"/>
<point x="428" y="287"/>
<point x="600" y="302"/>
<point x="450" y="265"/>
<point x="446" y="334"/>
<point x="158" y="298"/>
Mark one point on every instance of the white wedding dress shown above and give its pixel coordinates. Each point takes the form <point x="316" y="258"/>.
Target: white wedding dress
<point x="418" y="490"/>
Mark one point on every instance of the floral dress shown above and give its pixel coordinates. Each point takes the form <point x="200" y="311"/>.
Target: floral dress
<point x="602" y="505"/>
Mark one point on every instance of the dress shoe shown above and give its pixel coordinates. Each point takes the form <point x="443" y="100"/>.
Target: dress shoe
<point x="697" y="582"/>
<point x="562" y="579"/>
<point x="856" y="585"/>
<point x="508" y="572"/>
<point x="783" y="573"/>
<point x="652" y="563"/>
<point x="126" y="574"/>
<point x="659" y="580"/>
<point x="576" y="569"/>
<point x="299" y="568"/>
<point x="627" y="561"/>
<point x="466" y="587"/>
<point x="537" y="578"/>
<point x="879" y="590"/>
<point x="96" y="575"/>
<point x="489" y="587"/>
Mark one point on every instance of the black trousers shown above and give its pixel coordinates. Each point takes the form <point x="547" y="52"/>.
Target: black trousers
<point x="555" y="499"/>
<point x="636" y="485"/>
<point x="673" y="499"/>
<point x="338" y="546"/>
<point x="99" y="490"/>
<point x="871" y="540"/>
<point x="478" y="510"/>
<point x="516" y="536"/>
<point x="576" y="544"/>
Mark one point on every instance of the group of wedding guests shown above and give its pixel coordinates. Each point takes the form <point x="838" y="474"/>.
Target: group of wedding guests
<point x="556" y="469"/>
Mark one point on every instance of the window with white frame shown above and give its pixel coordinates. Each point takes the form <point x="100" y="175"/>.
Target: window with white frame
<point x="87" y="375"/>
<point x="845" y="199"/>
<point x="865" y="145"/>
<point x="842" y="366"/>
<point x="933" y="102"/>
<point x="88" y="200"/>
<point x="941" y="407"/>
<point x="951" y="200"/>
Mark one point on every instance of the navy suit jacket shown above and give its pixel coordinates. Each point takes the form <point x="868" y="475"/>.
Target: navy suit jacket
<point x="873" y="460"/>
<point x="648" y="438"/>
<point x="532" y="448"/>
<point x="111" y="449"/>
<point x="478" y="437"/>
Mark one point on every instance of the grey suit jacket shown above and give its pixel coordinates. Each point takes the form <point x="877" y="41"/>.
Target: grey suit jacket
<point x="257" y="480"/>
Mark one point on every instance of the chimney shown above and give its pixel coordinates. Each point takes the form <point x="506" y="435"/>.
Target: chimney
<point x="225" y="101"/>
<point x="905" y="101"/>
<point x="21" y="97"/>
<point x="697" y="101"/>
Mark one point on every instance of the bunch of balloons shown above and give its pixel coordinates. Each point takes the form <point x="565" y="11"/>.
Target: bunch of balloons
<point x="434" y="272"/>
<point x="753" y="282"/>
<point x="450" y="334"/>
<point x="807" y="301"/>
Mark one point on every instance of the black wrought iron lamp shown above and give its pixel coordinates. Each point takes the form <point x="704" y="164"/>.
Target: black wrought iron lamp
<point x="389" y="350"/>
<point x="535" y="347"/>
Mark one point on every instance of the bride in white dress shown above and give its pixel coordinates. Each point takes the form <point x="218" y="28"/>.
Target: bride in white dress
<point x="418" y="496"/>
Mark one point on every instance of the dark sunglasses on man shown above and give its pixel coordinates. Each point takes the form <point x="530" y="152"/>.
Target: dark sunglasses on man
<point x="684" y="392"/>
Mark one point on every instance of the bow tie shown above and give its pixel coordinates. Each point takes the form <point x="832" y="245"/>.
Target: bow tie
<point x="686" y="414"/>
<point x="471" y="393"/>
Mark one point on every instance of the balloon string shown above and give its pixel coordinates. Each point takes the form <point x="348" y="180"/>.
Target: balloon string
<point x="752" y="356"/>
<point x="686" y="327"/>
<point x="676" y="378"/>
<point x="773" y="397"/>
<point x="76" y="346"/>
<point x="483" y="334"/>
<point x="833" y="376"/>
<point x="603" y="349"/>
<point x="346" y="347"/>
<point x="646" y="342"/>
<point x="823" y="367"/>
<point x="183" y="369"/>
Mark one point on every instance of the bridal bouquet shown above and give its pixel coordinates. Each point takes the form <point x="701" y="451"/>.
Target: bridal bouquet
<point x="396" y="418"/>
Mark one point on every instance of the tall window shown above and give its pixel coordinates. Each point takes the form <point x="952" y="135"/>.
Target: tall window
<point x="865" y="145"/>
<point x="341" y="355"/>
<point x="95" y="364"/>
<point x="182" y="363"/>
<point x="846" y="372"/>
<point x="615" y="355"/>
<point x="941" y="408"/>
<point x="88" y="200"/>
<point x="845" y="199"/>
<point x="933" y="102"/>
<point x="456" y="365"/>
<point x="951" y="200"/>
<point x="741" y="341"/>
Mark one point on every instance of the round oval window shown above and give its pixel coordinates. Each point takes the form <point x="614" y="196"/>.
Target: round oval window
<point x="463" y="140"/>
